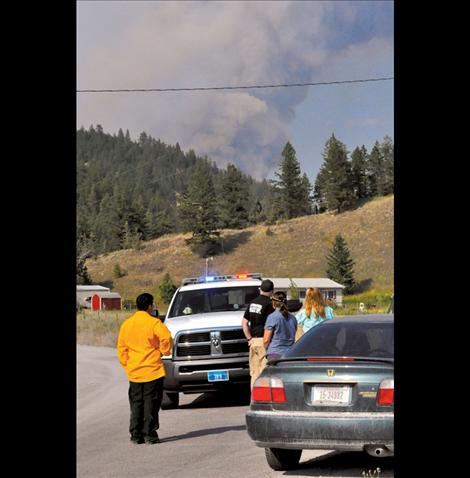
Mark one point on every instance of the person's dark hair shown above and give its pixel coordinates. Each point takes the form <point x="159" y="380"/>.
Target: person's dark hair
<point x="267" y="285"/>
<point x="294" y="305"/>
<point x="144" y="300"/>
<point x="280" y="302"/>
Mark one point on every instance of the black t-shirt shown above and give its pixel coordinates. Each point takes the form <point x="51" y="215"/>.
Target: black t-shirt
<point x="256" y="313"/>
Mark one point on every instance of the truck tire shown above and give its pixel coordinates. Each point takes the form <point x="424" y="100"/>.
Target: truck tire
<point x="281" y="459"/>
<point x="170" y="400"/>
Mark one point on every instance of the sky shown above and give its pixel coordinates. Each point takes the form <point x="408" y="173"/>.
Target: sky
<point x="173" y="44"/>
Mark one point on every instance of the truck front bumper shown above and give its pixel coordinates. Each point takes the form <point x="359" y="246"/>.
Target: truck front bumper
<point x="190" y="376"/>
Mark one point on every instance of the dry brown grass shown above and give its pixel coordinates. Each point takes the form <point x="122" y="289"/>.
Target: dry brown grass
<point x="100" y="328"/>
<point x="299" y="245"/>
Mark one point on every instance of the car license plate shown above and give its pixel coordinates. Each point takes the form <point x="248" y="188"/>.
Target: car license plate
<point x="331" y="395"/>
<point x="217" y="375"/>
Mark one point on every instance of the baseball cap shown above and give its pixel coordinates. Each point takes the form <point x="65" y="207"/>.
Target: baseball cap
<point x="267" y="285"/>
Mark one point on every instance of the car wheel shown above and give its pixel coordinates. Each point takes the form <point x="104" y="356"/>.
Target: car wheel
<point x="281" y="459"/>
<point x="170" y="400"/>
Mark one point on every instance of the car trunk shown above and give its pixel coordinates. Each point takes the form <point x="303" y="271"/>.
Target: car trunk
<point x="331" y="385"/>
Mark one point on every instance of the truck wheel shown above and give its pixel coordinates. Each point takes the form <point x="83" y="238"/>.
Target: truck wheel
<point x="170" y="400"/>
<point x="281" y="459"/>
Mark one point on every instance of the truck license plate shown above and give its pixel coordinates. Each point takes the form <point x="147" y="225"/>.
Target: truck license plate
<point x="217" y="375"/>
<point x="323" y="395"/>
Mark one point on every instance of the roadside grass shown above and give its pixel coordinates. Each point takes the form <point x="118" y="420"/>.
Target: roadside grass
<point x="376" y="301"/>
<point x="100" y="327"/>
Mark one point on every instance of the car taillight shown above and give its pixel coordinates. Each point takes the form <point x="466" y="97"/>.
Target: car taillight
<point x="261" y="390"/>
<point x="268" y="389"/>
<point x="385" y="393"/>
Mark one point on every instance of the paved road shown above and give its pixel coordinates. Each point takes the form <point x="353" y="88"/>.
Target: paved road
<point x="206" y="437"/>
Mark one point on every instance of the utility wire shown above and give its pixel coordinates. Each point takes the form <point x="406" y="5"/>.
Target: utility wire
<point x="289" y="85"/>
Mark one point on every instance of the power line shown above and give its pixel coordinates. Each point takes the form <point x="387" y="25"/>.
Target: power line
<point x="289" y="85"/>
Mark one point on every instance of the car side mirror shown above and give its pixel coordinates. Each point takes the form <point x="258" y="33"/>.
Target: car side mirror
<point x="162" y="317"/>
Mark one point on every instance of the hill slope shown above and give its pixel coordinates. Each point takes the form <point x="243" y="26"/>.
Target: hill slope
<point x="296" y="248"/>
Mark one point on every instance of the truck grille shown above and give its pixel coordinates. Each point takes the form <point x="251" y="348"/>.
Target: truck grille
<point x="232" y="334"/>
<point x="196" y="337"/>
<point x="211" y="343"/>
<point x="235" y="348"/>
<point x="193" y="350"/>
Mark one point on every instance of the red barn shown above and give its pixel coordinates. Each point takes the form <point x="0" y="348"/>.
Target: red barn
<point x="106" y="301"/>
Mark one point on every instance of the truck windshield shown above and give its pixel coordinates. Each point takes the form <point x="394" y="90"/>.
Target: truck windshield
<point x="221" y="299"/>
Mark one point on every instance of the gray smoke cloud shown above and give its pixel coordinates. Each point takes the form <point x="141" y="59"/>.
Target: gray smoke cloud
<point x="190" y="44"/>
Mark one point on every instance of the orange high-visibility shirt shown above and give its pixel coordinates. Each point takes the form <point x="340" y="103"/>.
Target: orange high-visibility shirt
<point x="142" y="340"/>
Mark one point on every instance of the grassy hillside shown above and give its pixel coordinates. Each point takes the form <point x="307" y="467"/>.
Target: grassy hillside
<point x="295" y="248"/>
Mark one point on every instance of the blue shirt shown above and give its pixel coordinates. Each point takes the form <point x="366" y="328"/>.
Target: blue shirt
<point x="308" y="322"/>
<point x="283" y="332"/>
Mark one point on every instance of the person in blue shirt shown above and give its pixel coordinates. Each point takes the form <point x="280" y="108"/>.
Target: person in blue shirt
<point x="280" y="327"/>
<point x="315" y="310"/>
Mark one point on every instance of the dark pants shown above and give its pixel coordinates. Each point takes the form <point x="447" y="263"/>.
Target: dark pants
<point x="145" y="400"/>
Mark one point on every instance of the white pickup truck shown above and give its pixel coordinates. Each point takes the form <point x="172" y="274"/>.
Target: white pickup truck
<point x="210" y="349"/>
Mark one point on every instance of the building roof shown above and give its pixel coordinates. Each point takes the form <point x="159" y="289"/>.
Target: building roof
<point x="83" y="288"/>
<point x="109" y="295"/>
<point x="305" y="282"/>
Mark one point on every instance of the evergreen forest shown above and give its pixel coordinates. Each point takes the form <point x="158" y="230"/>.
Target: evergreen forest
<point x="132" y="191"/>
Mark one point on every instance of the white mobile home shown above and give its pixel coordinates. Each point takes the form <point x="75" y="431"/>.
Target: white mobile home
<point x="329" y="288"/>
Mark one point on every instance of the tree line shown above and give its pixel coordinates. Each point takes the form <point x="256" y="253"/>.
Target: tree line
<point x="133" y="191"/>
<point x="342" y="182"/>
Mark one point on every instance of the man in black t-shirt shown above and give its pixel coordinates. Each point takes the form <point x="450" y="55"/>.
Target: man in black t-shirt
<point x="253" y="326"/>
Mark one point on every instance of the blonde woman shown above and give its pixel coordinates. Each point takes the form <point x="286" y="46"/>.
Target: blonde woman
<point x="315" y="310"/>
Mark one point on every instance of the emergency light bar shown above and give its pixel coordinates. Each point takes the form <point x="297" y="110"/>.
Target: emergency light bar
<point x="202" y="279"/>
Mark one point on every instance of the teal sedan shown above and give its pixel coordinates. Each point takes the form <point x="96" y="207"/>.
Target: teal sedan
<point x="333" y="389"/>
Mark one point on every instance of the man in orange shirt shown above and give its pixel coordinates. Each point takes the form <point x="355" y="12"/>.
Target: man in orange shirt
<point x="142" y="340"/>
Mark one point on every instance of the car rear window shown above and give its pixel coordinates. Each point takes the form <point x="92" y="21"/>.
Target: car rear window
<point x="356" y="339"/>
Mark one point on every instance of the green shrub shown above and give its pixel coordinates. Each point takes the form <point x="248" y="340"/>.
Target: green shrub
<point x="118" y="272"/>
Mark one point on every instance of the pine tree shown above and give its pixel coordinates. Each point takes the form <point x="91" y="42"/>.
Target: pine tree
<point x="167" y="288"/>
<point x="306" y="189"/>
<point x="289" y="188"/>
<point x="375" y="171"/>
<point x="319" y="200"/>
<point x="234" y="199"/>
<point x="387" y="151"/>
<point x="341" y="265"/>
<point x="150" y="229"/>
<point x="165" y="223"/>
<point x="131" y="237"/>
<point x="337" y="185"/>
<point x="358" y="172"/>
<point x="257" y="214"/>
<point x="107" y="225"/>
<point x="83" y="278"/>
<point x="198" y="212"/>
<point x="84" y="250"/>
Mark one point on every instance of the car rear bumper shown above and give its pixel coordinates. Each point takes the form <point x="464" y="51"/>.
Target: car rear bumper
<point x="190" y="376"/>
<point x="320" y="430"/>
